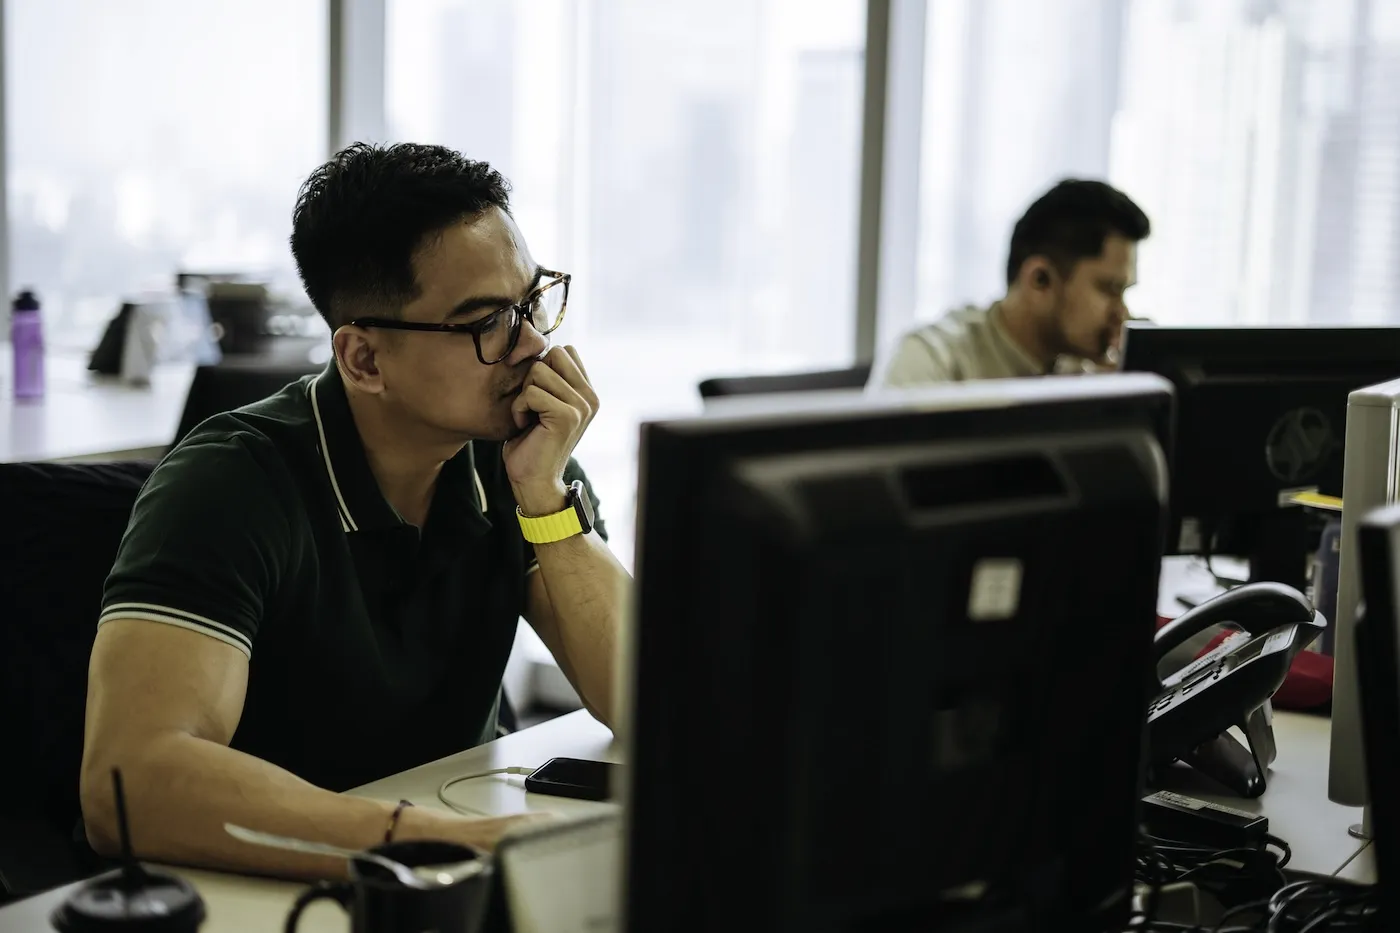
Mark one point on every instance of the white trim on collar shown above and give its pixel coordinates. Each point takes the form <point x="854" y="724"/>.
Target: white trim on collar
<point x="346" y="522"/>
<point x="480" y="490"/>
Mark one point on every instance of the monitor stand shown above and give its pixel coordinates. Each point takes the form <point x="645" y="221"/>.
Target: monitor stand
<point x="1280" y="552"/>
<point x="1362" y="830"/>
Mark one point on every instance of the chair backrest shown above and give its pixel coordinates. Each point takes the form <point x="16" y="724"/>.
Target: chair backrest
<point x="64" y="524"/>
<point x="233" y="384"/>
<point x="853" y="378"/>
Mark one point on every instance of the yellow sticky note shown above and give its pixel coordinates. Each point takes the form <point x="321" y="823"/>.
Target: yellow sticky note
<point x="1315" y="500"/>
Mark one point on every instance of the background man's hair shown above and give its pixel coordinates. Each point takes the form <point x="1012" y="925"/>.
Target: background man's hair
<point x="1070" y="222"/>
<point x="361" y="217"/>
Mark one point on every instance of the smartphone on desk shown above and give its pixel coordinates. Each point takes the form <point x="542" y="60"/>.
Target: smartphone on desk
<point x="573" y="777"/>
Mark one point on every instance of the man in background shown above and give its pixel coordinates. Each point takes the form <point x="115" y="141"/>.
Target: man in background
<point x="1073" y="256"/>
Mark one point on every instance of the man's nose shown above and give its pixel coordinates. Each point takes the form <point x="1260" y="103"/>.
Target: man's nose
<point x="530" y="345"/>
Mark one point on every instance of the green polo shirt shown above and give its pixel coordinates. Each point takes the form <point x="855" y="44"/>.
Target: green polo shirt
<point x="373" y="646"/>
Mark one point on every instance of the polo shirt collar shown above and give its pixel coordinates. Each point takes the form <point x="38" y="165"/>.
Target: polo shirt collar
<point x="460" y="497"/>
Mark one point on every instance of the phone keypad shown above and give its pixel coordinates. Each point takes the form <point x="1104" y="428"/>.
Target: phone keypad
<point x="1173" y="696"/>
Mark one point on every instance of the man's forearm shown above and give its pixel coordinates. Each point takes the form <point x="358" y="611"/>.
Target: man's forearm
<point x="586" y="587"/>
<point x="181" y="790"/>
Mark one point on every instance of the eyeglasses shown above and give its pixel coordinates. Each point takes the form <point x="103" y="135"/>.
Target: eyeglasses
<point x="497" y="334"/>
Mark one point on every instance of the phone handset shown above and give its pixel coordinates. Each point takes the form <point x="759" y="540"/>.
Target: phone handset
<point x="1255" y="607"/>
<point x="1231" y="685"/>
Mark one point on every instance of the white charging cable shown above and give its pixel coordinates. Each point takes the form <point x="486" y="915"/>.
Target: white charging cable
<point x="462" y="808"/>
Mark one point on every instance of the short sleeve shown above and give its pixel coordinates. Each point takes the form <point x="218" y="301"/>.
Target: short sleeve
<point x="572" y="472"/>
<point x="914" y="362"/>
<point x="208" y="541"/>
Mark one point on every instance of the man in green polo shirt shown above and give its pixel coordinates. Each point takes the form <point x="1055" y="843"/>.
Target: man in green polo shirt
<point x="322" y="588"/>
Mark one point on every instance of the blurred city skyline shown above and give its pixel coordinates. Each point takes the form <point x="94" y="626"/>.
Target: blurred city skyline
<point x="694" y="164"/>
<point x="154" y="135"/>
<point x="1262" y="137"/>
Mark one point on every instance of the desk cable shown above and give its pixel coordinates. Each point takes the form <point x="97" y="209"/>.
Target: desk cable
<point x="1248" y="883"/>
<point x="464" y="809"/>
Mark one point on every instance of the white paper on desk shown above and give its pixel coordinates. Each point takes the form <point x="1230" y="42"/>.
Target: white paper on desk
<point x="564" y="878"/>
<point x="141" y="347"/>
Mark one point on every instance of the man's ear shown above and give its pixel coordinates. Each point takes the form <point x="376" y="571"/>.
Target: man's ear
<point x="1038" y="274"/>
<point x="356" y="354"/>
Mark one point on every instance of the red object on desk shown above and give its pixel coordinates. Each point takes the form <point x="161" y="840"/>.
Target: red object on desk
<point x="1308" y="685"/>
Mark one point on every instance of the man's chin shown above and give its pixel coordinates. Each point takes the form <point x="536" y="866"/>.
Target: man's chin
<point x="507" y="430"/>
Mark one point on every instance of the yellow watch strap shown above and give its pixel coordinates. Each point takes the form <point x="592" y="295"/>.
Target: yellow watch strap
<point x="546" y="529"/>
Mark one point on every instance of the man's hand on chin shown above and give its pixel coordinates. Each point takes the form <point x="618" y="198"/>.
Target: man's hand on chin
<point x="559" y="399"/>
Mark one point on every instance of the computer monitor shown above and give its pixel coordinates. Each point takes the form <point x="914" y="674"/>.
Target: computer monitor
<point x="1261" y="413"/>
<point x="1378" y="653"/>
<point x="1370" y="480"/>
<point x="892" y="658"/>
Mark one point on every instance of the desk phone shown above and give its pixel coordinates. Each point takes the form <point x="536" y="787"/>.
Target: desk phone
<point x="1231" y="685"/>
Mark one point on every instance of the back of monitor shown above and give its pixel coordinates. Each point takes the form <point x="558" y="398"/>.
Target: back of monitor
<point x="1370" y="479"/>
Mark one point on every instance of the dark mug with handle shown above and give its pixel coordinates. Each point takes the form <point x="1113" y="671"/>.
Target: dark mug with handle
<point x="378" y="902"/>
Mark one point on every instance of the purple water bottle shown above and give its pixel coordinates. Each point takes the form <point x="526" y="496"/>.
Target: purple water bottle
<point x="27" y="338"/>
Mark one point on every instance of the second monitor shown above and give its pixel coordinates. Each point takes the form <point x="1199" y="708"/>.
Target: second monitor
<point x="1261" y="414"/>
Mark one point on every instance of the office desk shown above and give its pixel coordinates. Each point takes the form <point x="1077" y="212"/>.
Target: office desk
<point x="1296" y="804"/>
<point x="83" y="416"/>
<point x="239" y="904"/>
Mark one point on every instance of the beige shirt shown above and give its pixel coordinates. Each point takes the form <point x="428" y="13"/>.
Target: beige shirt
<point x="970" y="343"/>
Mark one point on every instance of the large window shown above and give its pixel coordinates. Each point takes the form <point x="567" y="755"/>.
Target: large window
<point x="147" y="136"/>
<point x="694" y="164"/>
<point x="1261" y="136"/>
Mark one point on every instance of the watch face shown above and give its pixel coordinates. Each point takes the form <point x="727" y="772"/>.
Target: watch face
<point x="583" y="505"/>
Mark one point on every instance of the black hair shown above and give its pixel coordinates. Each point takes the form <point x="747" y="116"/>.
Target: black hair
<point x="1070" y="222"/>
<point x="361" y="217"/>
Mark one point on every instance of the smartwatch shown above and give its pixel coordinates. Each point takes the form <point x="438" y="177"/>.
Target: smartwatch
<point x="576" y="518"/>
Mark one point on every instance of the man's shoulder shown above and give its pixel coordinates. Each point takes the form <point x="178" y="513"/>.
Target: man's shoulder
<point x="960" y="324"/>
<point x="272" y="435"/>
<point x="937" y="351"/>
<point x="220" y="470"/>
<point x="261" y="452"/>
<point x="944" y="337"/>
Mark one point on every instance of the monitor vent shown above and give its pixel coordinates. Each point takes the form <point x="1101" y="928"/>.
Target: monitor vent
<point x="1009" y="479"/>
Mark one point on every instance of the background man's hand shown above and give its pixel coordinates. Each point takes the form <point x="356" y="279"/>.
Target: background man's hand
<point x="560" y="401"/>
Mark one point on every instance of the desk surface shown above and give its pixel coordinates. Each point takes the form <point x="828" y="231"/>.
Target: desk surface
<point x="85" y="416"/>
<point x="239" y="904"/>
<point x="1295" y="802"/>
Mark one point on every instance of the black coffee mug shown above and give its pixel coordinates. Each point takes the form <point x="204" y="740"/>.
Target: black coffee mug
<point x="379" y="903"/>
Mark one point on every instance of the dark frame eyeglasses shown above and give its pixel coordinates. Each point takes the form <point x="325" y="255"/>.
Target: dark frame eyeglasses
<point x="516" y="316"/>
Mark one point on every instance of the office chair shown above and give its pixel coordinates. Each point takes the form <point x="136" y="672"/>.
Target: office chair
<point x="233" y="384"/>
<point x="853" y="378"/>
<point x="65" y="521"/>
